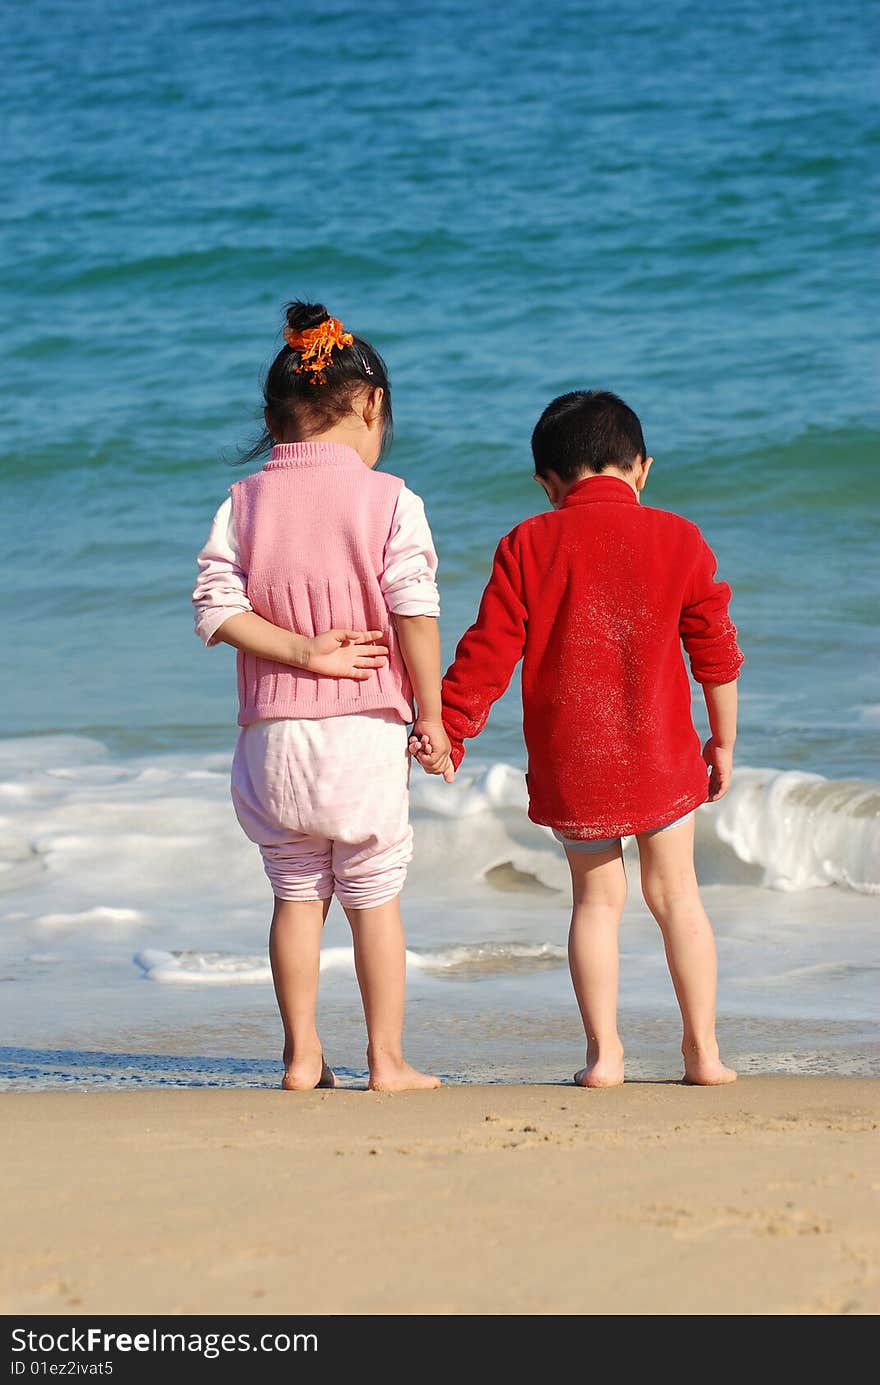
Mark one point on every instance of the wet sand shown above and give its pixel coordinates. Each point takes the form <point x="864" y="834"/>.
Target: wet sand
<point x="653" y="1198"/>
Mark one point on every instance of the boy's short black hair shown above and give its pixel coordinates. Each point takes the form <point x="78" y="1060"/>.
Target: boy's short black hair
<point x="586" y="430"/>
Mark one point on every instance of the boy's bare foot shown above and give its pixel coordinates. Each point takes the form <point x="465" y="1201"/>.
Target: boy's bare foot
<point x="400" y="1077"/>
<point x="706" y="1073"/>
<point x="304" y="1075"/>
<point x="704" y="1068"/>
<point x="602" y="1070"/>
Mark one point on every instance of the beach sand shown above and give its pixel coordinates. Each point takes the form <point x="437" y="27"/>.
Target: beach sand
<point x="652" y="1198"/>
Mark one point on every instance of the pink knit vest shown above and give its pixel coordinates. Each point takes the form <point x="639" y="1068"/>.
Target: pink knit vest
<point x="311" y="530"/>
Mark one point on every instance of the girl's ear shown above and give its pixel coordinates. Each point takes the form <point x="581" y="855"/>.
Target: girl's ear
<point x="372" y="407"/>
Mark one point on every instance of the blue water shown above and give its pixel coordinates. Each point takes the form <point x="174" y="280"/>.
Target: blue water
<point x="673" y="201"/>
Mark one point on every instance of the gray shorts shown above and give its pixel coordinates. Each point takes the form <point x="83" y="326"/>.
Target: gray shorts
<point x="609" y="843"/>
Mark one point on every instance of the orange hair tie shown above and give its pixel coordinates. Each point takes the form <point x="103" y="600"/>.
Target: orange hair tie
<point x="316" y="346"/>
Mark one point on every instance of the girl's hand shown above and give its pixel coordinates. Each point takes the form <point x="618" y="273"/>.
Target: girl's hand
<point x="429" y="744"/>
<point x="720" y="762"/>
<point x="345" y="654"/>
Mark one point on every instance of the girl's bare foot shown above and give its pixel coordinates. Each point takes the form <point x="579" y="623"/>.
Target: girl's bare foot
<point x="305" y="1074"/>
<point x="703" y="1067"/>
<point x="400" y="1077"/>
<point x="602" y="1070"/>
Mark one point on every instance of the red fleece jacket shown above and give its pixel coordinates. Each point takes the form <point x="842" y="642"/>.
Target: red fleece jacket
<point x="597" y="598"/>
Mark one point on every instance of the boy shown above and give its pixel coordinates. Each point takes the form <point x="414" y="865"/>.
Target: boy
<point x="597" y="597"/>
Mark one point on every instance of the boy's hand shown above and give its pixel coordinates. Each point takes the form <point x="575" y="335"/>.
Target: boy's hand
<point x="429" y="744"/>
<point x="720" y="762"/>
<point x="345" y="654"/>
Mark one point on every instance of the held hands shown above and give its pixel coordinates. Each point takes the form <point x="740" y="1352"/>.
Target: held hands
<point x="345" y="654"/>
<point x="429" y="744"/>
<point x="720" y="762"/>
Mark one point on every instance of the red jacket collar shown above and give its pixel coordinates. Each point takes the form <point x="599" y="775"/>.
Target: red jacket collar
<point x="591" y="488"/>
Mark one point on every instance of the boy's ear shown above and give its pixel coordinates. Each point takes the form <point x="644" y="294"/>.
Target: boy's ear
<point x="552" y="487"/>
<point x="642" y="474"/>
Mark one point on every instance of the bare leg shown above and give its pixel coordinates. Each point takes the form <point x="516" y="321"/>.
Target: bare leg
<point x="295" y="954"/>
<point x="598" y="883"/>
<point x="669" y="884"/>
<point x="380" y="962"/>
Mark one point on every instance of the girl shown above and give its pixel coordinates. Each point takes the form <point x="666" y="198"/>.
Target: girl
<point x="318" y="541"/>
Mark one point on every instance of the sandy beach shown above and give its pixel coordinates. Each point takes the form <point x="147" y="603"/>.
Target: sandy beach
<point x="650" y="1199"/>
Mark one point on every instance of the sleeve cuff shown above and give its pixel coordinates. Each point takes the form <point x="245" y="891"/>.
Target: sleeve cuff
<point x="416" y="606"/>
<point x="208" y="622"/>
<point x="418" y="598"/>
<point x="719" y="676"/>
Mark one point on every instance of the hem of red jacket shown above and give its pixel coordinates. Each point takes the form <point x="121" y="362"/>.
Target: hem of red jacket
<point x="620" y="827"/>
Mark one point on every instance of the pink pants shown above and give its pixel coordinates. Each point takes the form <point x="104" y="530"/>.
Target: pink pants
<point x="327" y="802"/>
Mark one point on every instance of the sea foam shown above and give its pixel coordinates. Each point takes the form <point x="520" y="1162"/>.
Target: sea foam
<point x="464" y="960"/>
<point x="805" y="831"/>
<point x="802" y="830"/>
<point x="105" y="859"/>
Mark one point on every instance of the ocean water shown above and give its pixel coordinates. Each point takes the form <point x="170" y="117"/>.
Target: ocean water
<point x="673" y="202"/>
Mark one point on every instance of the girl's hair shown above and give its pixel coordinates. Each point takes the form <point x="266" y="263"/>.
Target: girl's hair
<point x="298" y="402"/>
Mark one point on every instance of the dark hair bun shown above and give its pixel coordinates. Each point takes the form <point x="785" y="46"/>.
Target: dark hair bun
<point x="302" y="316"/>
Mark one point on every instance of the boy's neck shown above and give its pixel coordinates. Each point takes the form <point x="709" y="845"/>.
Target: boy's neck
<point x="628" y="476"/>
<point x="557" y="489"/>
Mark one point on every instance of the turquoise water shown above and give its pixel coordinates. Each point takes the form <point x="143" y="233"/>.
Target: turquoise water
<point x="673" y="202"/>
